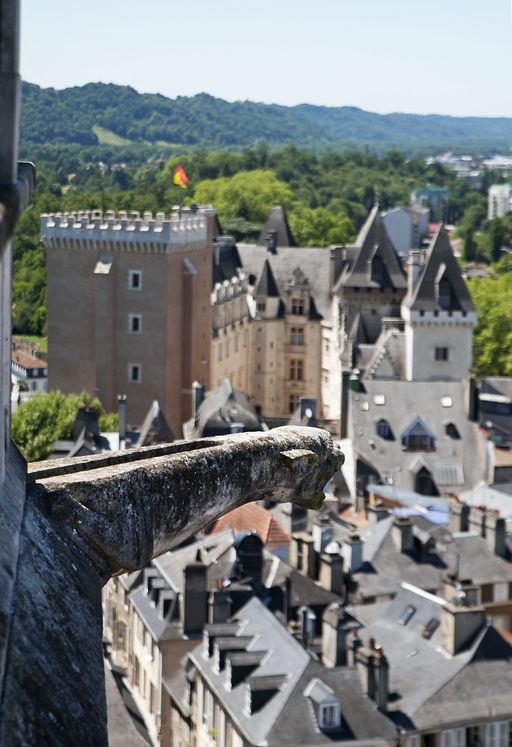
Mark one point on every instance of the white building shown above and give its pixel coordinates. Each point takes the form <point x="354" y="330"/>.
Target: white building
<point x="500" y="200"/>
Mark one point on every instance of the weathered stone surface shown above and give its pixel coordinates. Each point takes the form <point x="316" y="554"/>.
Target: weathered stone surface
<point x="53" y="690"/>
<point x="127" y="513"/>
<point x="79" y="527"/>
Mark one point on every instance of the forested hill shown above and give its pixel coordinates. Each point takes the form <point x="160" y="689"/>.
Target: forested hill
<point x="118" y="115"/>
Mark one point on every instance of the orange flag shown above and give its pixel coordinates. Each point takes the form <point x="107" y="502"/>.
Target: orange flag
<point x="180" y="178"/>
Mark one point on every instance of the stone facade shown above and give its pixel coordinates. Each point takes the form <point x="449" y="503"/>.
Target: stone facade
<point x="128" y="307"/>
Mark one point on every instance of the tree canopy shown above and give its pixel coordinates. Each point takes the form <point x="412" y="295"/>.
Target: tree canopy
<point x="47" y="417"/>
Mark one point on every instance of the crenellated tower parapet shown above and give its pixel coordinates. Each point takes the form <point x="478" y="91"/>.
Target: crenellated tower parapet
<point x="130" y="232"/>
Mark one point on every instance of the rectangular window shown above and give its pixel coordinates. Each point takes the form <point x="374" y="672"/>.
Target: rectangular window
<point x="297" y="306"/>
<point x="297" y="336"/>
<point x="441" y="354"/>
<point x="453" y="738"/>
<point x="296" y="370"/>
<point x="293" y="403"/>
<point x="497" y="734"/>
<point x="136" y="672"/>
<point x="135" y="323"/>
<point x="135" y="279"/>
<point x="151" y="698"/>
<point x="134" y="372"/>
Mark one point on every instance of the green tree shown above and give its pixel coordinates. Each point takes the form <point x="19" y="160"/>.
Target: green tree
<point x="492" y="339"/>
<point x="319" y="227"/>
<point x="46" y="417"/>
<point x="248" y="194"/>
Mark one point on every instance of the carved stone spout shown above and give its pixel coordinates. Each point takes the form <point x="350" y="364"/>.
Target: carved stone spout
<point x="90" y="517"/>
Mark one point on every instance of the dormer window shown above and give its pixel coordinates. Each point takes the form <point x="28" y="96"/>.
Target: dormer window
<point x="383" y="429"/>
<point x="329" y="716"/>
<point x="417" y="437"/>
<point x="326" y="705"/>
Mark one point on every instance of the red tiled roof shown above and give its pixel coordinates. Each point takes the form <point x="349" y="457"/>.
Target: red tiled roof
<point x="254" y="518"/>
<point x="27" y="361"/>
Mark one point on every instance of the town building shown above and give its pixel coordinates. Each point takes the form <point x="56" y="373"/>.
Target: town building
<point x="406" y="227"/>
<point x="269" y="303"/>
<point x="250" y="683"/>
<point x="499" y="200"/>
<point x="128" y="307"/>
<point x="448" y="669"/>
<point x="29" y="372"/>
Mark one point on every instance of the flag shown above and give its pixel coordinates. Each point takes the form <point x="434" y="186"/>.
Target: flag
<point x="180" y="178"/>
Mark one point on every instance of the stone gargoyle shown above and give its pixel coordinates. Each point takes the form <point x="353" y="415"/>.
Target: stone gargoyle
<point x="88" y="518"/>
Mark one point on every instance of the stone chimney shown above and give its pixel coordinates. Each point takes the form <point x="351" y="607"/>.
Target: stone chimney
<point x="376" y="512"/>
<point x="302" y="553"/>
<point x="373" y="669"/>
<point x="414" y="267"/>
<point x="194" y="610"/>
<point x="322" y="533"/>
<point x="352" y="551"/>
<point x="489" y="526"/>
<point x="219" y="606"/>
<point x="459" y="625"/>
<point x="331" y="569"/>
<point x="336" y="628"/>
<point x="458" y="520"/>
<point x="121" y="416"/>
<point x="401" y="532"/>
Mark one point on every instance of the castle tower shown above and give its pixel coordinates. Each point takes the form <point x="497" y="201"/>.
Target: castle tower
<point x="439" y="315"/>
<point x="129" y="307"/>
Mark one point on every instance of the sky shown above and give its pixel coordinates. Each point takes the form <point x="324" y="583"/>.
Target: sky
<point x="434" y="56"/>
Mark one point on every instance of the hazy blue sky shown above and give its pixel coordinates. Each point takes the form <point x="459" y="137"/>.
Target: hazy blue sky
<point x="442" y="56"/>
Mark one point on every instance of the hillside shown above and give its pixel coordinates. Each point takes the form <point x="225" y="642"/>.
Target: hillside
<point x="118" y="115"/>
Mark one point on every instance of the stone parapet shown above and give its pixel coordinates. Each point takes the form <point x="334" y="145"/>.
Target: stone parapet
<point x="91" y="229"/>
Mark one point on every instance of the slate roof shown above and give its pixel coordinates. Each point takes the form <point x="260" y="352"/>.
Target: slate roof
<point x="287" y="719"/>
<point x="314" y="263"/>
<point x="226" y="260"/>
<point x="424" y="296"/>
<point x="155" y="429"/>
<point x="220" y="409"/>
<point x="266" y="285"/>
<point x="254" y="517"/>
<point x="207" y="550"/>
<point x="437" y="677"/>
<point x="373" y="238"/>
<point x="386" y="359"/>
<point x="385" y="567"/>
<point x="452" y="463"/>
<point x="277" y="222"/>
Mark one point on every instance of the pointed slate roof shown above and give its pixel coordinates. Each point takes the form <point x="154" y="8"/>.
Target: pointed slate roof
<point x="266" y="285"/>
<point x="223" y="408"/>
<point x="440" y="263"/>
<point x="155" y="429"/>
<point x="277" y="222"/>
<point x="373" y="240"/>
